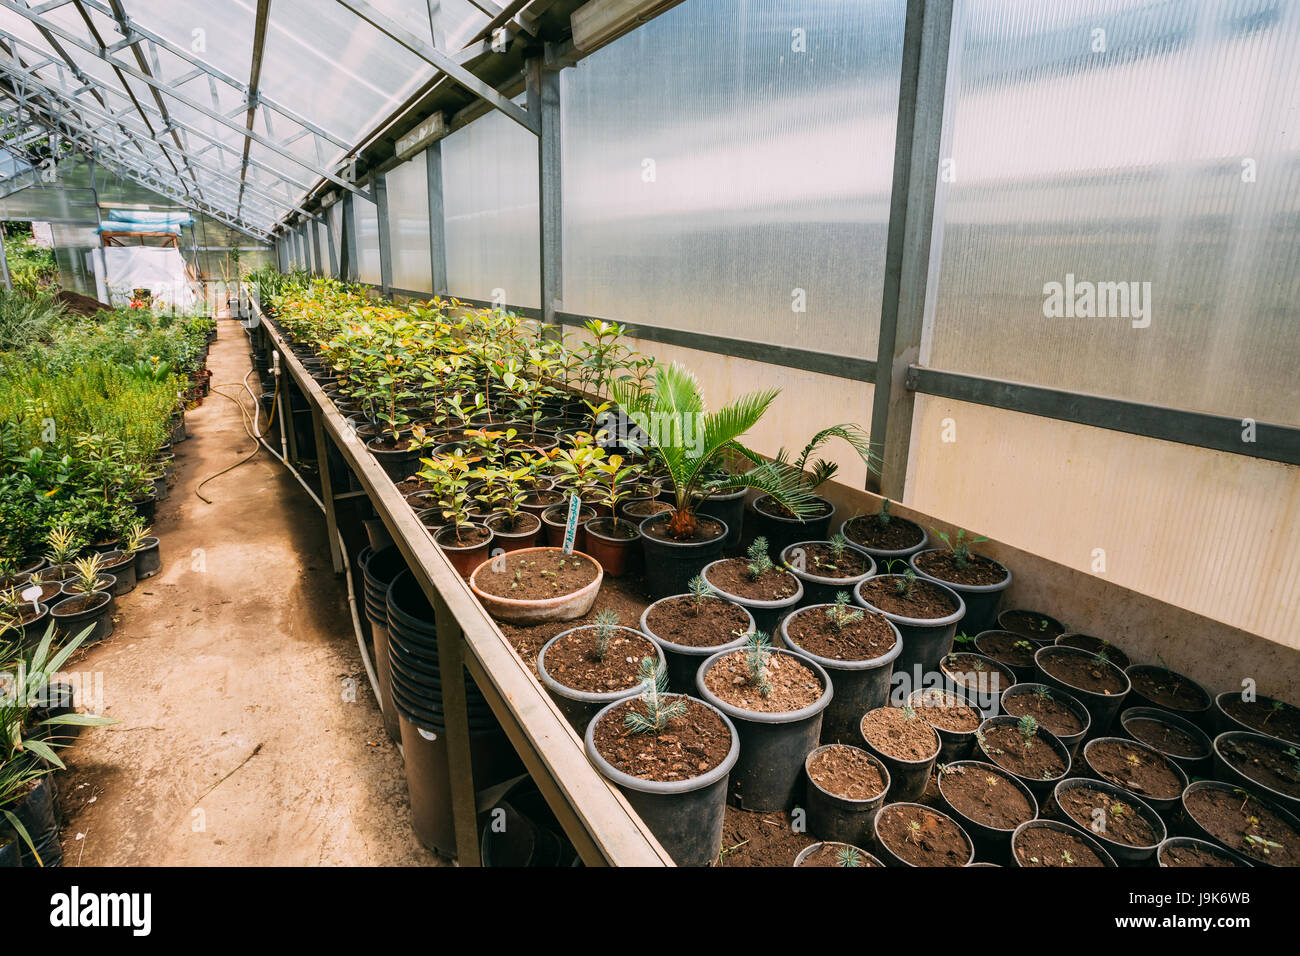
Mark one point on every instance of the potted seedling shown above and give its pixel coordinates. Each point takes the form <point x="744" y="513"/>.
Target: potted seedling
<point x="1234" y="710"/>
<point x="587" y="667"/>
<point x="979" y="580"/>
<point x="537" y="585"/>
<point x="610" y="540"/>
<point x="776" y="699"/>
<point x="857" y="648"/>
<point x="1128" y="828"/>
<point x="909" y="834"/>
<point x="1241" y="821"/>
<point x="1020" y="746"/>
<point x="767" y="591"/>
<point x="1098" y="684"/>
<point x="831" y="853"/>
<point x="144" y="548"/>
<point x="1178" y="739"/>
<point x="640" y="744"/>
<point x="988" y="802"/>
<point x="1054" y="709"/>
<point x="925" y="613"/>
<point x="1266" y="765"/>
<point x="512" y="527"/>
<point x="781" y="526"/>
<point x="693" y="626"/>
<point x="464" y="542"/>
<point x="1056" y="844"/>
<point x="90" y="576"/>
<point x="89" y="608"/>
<point x="62" y="545"/>
<point x="21" y="618"/>
<point x="905" y="743"/>
<point x="825" y="568"/>
<point x="885" y="536"/>
<point x="687" y="441"/>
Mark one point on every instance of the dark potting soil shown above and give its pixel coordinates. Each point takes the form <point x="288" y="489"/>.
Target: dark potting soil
<point x="1095" y="645"/>
<point x="79" y="604"/>
<point x="1052" y="714"/>
<point x="846" y="772"/>
<point x="896" y="734"/>
<point x="968" y="671"/>
<point x="1169" y="690"/>
<point x="388" y="443"/>
<point x="732" y="576"/>
<point x="519" y="523"/>
<point x="897" y="534"/>
<point x="922" y="837"/>
<point x="27" y="613"/>
<point x="534" y="575"/>
<point x="690" y="745"/>
<point x="1030" y="624"/>
<point x="609" y="528"/>
<point x="573" y="661"/>
<point x="413" y="484"/>
<point x="539" y="498"/>
<point x="1275" y="718"/>
<point x="48" y="591"/>
<point x="708" y="623"/>
<point x="984" y="793"/>
<point x="706" y="529"/>
<point x="1086" y="673"/>
<point x="979" y="570"/>
<point x="1034" y="759"/>
<point x="644" y="509"/>
<point x="1266" y="763"/>
<point x="923" y="600"/>
<point x="1123" y="822"/>
<point x="750" y="838"/>
<point x="1166" y="738"/>
<point x="820" y="559"/>
<point x="1007" y="648"/>
<point x="834" y="854"/>
<point x="1044" y="846"/>
<point x="794" y="686"/>
<point x="770" y="506"/>
<point x="814" y="630"/>
<point x="1135" y="768"/>
<point x="944" y="711"/>
<point x="466" y="537"/>
<point x="1182" y="855"/>
<point x="1242" y="823"/>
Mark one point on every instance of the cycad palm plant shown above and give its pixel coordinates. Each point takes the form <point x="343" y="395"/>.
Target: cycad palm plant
<point x="689" y="441"/>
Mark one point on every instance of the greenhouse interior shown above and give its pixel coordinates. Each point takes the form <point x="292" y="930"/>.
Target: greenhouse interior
<point x="646" y="433"/>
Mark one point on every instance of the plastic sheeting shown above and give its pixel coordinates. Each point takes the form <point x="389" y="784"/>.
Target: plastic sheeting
<point x="160" y="269"/>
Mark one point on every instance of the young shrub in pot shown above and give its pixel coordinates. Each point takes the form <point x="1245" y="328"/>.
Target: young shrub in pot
<point x="1054" y="710"/>
<point x="670" y="756"/>
<point x="857" y="648"/>
<point x="536" y="585"/>
<point x="846" y="787"/>
<point x="884" y="536"/>
<point x="925" y="613"/>
<point x="825" y="568"/>
<point x="587" y="667"/>
<point x="1021" y="747"/>
<point x="979" y="580"/>
<point x="90" y="608"/>
<point x="512" y="528"/>
<point x="1098" y="684"/>
<point x="1128" y="828"/>
<point x="692" y="627"/>
<point x="1268" y="766"/>
<point x="776" y="699"/>
<point x="909" y="834"/>
<point x="464" y="543"/>
<point x="988" y="802"/>
<point x="756" y="584"/>
<point x="610" y="540"/>
<point x="905" y="744"/>
<point x="145" y="549"/>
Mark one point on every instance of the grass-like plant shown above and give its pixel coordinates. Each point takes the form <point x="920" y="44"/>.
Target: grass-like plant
<point x="960" y="546"/>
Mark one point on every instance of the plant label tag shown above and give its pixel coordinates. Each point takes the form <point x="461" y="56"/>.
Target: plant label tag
<point x="33" y="594"/>
<point x="571" y="523"/>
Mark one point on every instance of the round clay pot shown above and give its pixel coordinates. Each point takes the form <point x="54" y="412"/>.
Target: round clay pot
<point x="564" y="607"/>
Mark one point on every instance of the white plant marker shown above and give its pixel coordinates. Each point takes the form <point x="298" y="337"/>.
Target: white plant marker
<point x="33" y="594"/>
<point x="571" y="523"/>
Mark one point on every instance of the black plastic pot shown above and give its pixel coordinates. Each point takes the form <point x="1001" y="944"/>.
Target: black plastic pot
<point x="768" y="773"/>
<point x="579" y="706"/>
<point x="954" y="745"/>
<point x="10" y="854"/>
<point x="1190" y="826"/>
<point x="781" y="532"/>
<point x="841" y="819"/>
<point x="1202" y="716"/>
<point x="907" y="778"/>
<point x="986" y="643"/>
<point x="1192" y="766"/>
<point x="123" y="572"/>
<point x="36" y="812"/>
<point x="684" y="660"/>
<point x="865" y="858"/>
<point x="1124" y="854"/>
<point x="398" y="463"/>
<point x="377" y="574"/>
<point x="1039" y="787"/>
<point x="1070" y="741"/>
<point x="1089" y="839"/>
<point x="892" y="859"/>
<point x="1224" y="721"/>
<point x="882" y="556"/>
<point x="670" y="565"/>
<point x="1009" y="618"/>
<point x="728" y="508"/>
<point x="1227" y="773"/>
<point x="684" y="815"/>
<point x="1165" y="806"/>
<point x="990" y="841"/>
<point x="1102" y="707"/>
<point x="767" y="614"/>
<point x="1213" y="849"/>
<point x="1094" y="645"/>
<point x="981" y="599"/>
<point x="988" y="683"/>
<point x="925" y="641"/>
<point x="817" y="588"/>
<point x="860" y="686"/>
<point x="146" y="506"/>
<point x="148" y="560"/>
<point x="98" y="616"/>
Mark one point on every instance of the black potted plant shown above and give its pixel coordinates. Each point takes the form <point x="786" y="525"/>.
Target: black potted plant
<point x="846" y="787"/>
<point x="587" y="667"/>
<point x="1053" y="708"/>
<point x="885" y="536"/>
<point x="988" y="802"/>
<point x="1128" y="828"/>
<point x="825" y="568"/>
<point x="1020" y="746"/>
<point x="764" y="589"/>
<point x="1234" y="710"/>
<point x="925" y="613"/>
<point x="694" y="626"/>
<point x="979" y="580"/>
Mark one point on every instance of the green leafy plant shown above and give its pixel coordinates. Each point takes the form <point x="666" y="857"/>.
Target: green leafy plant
<point x="811" y="473"/>
<point x="960" y="546"/>
<point x="1027" y="727"/>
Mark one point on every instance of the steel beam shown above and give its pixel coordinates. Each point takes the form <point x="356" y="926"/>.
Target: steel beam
<point x="544" y="103"/>
<point x="437" y="220"/>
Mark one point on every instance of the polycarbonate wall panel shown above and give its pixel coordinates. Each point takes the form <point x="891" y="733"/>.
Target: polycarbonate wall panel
<point x="489" y="172"/>
<point x="727" y="169"/>
<point x="408" y="223"/>
<point x="1152" y="145"/>
<point x="367" y="239"/>
<point x="335" y="215"/>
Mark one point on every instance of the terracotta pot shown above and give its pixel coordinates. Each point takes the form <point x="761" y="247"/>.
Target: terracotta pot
<point x="614" y="553"/>
<point x="564" y="607"/>
<point x="515" y="540"/>
<point x="465" y="558"/>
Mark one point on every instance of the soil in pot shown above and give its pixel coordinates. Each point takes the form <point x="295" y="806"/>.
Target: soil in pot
<point x="1125" y="822"/>
<point x="1026" y="755"/>
<point x="898" y="534"/>
<point x="1190" y="852"/>
<point x="1056" y="715"/>
<point x="691" y="623"/>
<point x="1044" y="845"/>
<point x="692" y="744"/>
<point x="1267" y="762"/>
<point x="537" y="575"/>
<point x="1009" y="648"/>
<point x="1264" y="715"/>
<point x="945" y="711"/>
<point x="818" y="557"/>
<point x="575" y="660"/>
<point x="1243" y="823"/>
<point x="1134" y="767"/>
<point x="512" y="532"/>
<point x="1168" y="689"/>
<point x="979" y="677"/>
<point x="1031" y="624"/>
<point x="1086" y="672"/>
<point x="986" y="794"/>
<point x="978" y="572"/>
<point x="922" y="837"/>
<point x="671" y="562"/>
<point x="846" y="772"/>
<point x="1095" y="645"/>
<point x="818" y="631"/>
<point x="794" y="686"/>
<point x="835" y="854"/>
<point x="1165" y="737"/>
<point x="923" y="601"/>
<point x="732" y="576"/>
<point x="901" y="733"/>
<point x="613" y="542"/>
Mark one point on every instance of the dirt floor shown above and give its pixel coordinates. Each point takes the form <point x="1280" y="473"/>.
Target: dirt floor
<point x="238" y="741"/>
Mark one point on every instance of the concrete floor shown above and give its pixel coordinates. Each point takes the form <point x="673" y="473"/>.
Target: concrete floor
<point x="229" y="674"/>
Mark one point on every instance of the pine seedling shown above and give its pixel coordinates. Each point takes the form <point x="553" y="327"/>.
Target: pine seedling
<point x="903" y="583"/>
<point x="759" y="561"/>
<point x="656" y="712"/>
<point x="757" y="651"/>
<point x="1043" y="692"/>
<point x="849" y="856"/>
<point x="1028" y="728"/>
<point x="700" y="591"/>
<point x="606" y="624"/>
<point x="883" y="516"/>
<point x="841" y="614"/>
